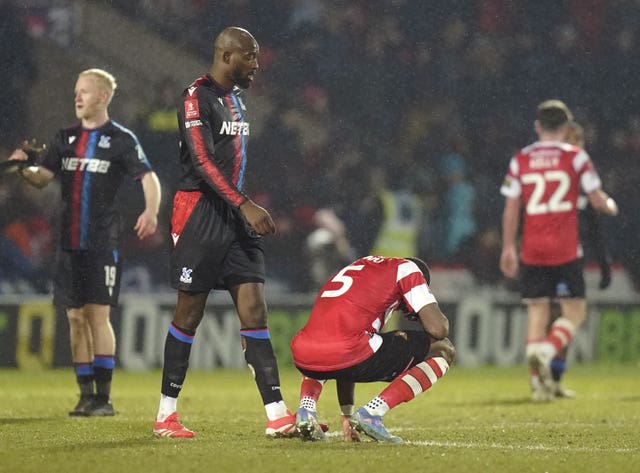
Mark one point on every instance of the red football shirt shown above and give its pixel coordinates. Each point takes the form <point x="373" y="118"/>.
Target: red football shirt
<point x="352" y="308"/>
<point x="547" y="177"/>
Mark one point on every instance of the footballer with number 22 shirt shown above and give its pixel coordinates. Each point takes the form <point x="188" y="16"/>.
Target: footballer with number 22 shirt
<point x="543" y="184"/>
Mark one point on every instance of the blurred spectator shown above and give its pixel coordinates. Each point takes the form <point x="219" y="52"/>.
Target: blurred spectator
<point x="328" y="248"/>
<point x="26" y="239"/>
<point x="368" y="93"/>
<point x="158" y="133"/>
<point x="459" y="199"/>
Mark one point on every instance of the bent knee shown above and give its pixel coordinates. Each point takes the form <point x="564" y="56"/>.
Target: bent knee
<point x="443" y="348"/>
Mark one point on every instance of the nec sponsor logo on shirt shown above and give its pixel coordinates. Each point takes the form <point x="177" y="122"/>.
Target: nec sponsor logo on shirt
<point x="84" y="164"/>
<point x="234" y="128"/>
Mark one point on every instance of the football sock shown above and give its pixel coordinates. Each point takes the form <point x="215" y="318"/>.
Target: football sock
<point x="412" y="382"/>
<point x="84" y="378"/>
<point x="532" y="346"/>
<point x="310" y="390"/>
<point x="541" y="346"/>
<point x="168" y="405"/>
<point x="560" y="333"/>
<point x="177" y="348"/>
<point x="103" y="366"/>
<point x="262" y="362"/>
<point x="275" y="410"/>
<point x="377" y="406"/>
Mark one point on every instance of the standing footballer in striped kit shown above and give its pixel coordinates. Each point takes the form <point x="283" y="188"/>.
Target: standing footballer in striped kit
<point x="91" y="159"/>
<point x="541" y="189"/>
<point x="217" y="232"/>
<point x="343" y="340"/>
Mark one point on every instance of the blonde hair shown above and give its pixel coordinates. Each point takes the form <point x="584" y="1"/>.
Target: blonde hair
<point x="576" y="134"/>
<point x="105" y="80"/>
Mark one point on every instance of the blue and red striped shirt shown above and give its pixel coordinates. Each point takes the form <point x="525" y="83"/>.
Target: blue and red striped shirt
<point x="91" y="165"/>
<point x="214" y="134"/>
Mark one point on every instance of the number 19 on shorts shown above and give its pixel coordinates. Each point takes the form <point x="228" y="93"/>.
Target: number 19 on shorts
<point x="110" y="276"/>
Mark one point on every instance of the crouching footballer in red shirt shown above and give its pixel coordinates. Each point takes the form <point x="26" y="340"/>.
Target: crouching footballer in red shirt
<point x="342" y="340"/>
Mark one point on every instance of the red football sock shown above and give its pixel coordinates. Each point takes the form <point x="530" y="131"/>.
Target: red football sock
<point x="561" y="333"/>
<point x="310" y="390"/>
<point x="414" y="381"/>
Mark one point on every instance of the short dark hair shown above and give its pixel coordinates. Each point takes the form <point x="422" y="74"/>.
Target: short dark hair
<point x="552" y="114"/>
<point x="423" y="267"/>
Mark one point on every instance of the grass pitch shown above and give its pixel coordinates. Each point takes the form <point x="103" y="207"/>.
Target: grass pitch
<point x="473" y="420"/>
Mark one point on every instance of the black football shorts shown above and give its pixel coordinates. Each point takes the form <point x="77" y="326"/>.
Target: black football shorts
<point x="214" y="247"/>
<point x="87" y="277"/>
<point x="553" y="282"/>
<point x="400" y="350"/>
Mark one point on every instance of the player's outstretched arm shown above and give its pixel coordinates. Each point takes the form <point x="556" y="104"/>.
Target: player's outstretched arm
<point x="147" y="222"/>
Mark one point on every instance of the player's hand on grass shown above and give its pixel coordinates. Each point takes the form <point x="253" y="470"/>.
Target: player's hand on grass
<point x="349" y="433"/>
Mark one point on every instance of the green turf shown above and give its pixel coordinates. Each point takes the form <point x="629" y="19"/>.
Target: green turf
<point x="473" y="420"/>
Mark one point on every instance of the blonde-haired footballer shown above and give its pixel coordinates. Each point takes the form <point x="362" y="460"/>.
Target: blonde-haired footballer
<point x="91" y="159"/>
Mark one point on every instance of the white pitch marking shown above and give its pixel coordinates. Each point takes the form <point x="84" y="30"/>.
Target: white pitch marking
<point x="498" y="446"/>
<point x="495" y="446"/>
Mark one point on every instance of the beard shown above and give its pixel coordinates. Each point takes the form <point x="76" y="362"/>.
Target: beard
<point x="241" y="80"/>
